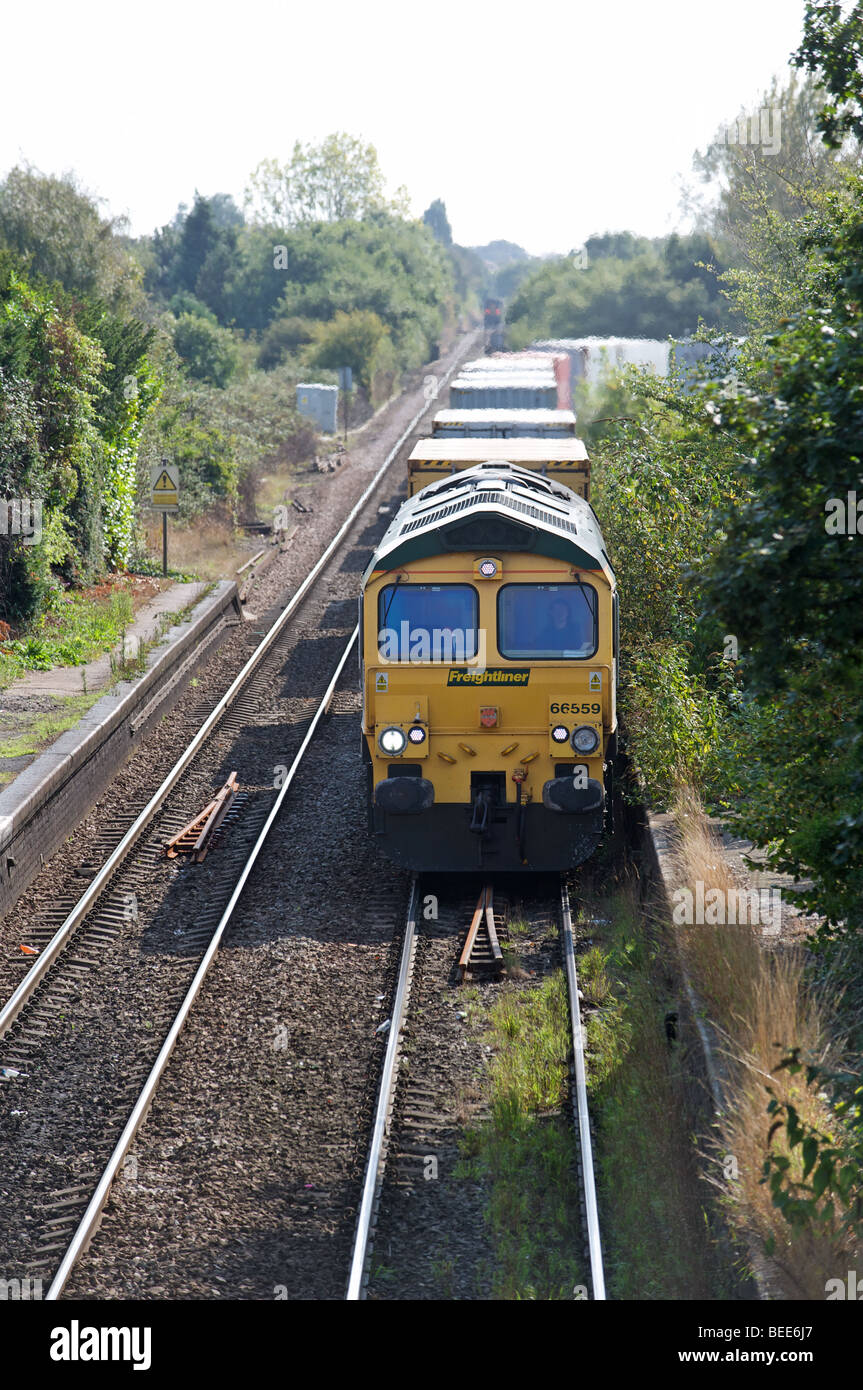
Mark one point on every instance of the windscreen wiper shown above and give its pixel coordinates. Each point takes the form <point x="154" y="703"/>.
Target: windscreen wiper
<point x="390" y="602"/>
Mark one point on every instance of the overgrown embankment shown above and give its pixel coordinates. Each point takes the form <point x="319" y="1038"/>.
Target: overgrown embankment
<point x="741" y="627"/>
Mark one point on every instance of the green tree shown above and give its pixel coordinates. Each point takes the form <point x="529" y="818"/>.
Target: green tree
<point x="208" y="351"/>
<point x="788" y="577"/>
<point x="196" y="254"/>
<point x="285" y="335"/>
<point x="356" y="340"/>
<point x="393" y="269"/>
<point x="436" y="219"/>
<point x="56" y="229"/>
<point x="50" y="447"/>
<point x="832" y="46"/>
<point x="618" y="246"/>
<point x="129" y="389"/>
<point x="337" y="180"/>
<point x="769" y="195"/>
<point x="651" y="293"/>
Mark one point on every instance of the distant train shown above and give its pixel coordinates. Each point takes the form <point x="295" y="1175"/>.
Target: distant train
<point x="492" y="313"/>
<point x="489" y="668"/>
<point x="492" y="317"/>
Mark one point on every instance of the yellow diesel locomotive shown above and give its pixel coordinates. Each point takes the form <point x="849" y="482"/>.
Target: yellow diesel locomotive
<point x="489" y="658"/>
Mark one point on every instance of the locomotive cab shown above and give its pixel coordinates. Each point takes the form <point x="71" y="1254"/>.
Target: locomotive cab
<point x="489" y="675"/>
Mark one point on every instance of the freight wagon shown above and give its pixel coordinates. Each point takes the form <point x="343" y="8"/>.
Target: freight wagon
<point x="564" y="460"/>
<point x="503" y="424"/>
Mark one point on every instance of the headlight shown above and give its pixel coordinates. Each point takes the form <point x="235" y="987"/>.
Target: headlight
<point x="392" y="741"/>
<point x="585" y="739"/>
<point x="560" y="733"/>
<point x="417" y="733"/>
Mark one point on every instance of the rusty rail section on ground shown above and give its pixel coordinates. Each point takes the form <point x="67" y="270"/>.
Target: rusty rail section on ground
<point x="196" y="838"/>
<point x="482" y="947"/>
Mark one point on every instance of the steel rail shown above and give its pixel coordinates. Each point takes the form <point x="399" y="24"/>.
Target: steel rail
<point x="17" y="1001"/>
<point x="90" y="1219"/>
<point x="377" y="1156"/>
<point x="590" y="1203"/>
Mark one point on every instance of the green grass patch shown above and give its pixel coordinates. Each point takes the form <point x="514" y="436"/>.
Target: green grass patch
<point x="41" y="729"/>
<point x="525" y="1150"/>
<point x="72" y="631"/>
<point x="656" y="1211"/>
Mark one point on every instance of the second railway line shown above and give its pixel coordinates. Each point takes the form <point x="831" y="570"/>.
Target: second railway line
<point x="80" y="1039"/>
<point x="423" y="1230"/>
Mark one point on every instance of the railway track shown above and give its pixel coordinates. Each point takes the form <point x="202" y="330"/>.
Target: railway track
<point x="89" y="1220"/>
<point x="112" y="929"/>
<point x="418" y="1123"/>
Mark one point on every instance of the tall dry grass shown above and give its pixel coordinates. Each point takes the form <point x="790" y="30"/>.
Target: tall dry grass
<point x="755" y="995"/>
<point x="209" y="548"/>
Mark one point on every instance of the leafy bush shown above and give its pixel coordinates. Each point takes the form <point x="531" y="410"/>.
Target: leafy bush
<point x="673" y="722"/>
<point x="285" y="335"/>
<point x="207" y="350"/>
<point x="351" y="340"/>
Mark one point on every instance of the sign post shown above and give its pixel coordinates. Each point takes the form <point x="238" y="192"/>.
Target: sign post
<point x="165" y="498"/>
<point x="346" y="377"/>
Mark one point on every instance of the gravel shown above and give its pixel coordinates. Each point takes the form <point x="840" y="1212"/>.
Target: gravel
<point x="243" y="1179"/>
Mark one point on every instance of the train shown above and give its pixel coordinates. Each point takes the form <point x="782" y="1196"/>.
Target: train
<point x="492" y="317"/>
<point x="489" y="641"/>
<point x="492" y="314"/>
<point x="489" y="660"/>
<point x="522" y="380"/>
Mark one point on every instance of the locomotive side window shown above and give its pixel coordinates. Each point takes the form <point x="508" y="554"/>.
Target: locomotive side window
<point x="547" y="621"/>
<point x="427" y="622"/>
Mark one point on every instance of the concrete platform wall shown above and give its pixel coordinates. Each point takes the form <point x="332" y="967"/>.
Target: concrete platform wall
<point x="50" y="797"/>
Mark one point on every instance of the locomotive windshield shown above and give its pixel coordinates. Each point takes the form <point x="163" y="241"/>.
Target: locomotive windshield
<point x="547" y="621"/>
<point x="427" y="622"/>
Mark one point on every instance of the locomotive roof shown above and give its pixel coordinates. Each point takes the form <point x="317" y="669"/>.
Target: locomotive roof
<point x="493" y="507"/>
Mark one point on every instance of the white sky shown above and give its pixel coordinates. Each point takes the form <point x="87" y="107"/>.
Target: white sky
<point x="540" y="124"/>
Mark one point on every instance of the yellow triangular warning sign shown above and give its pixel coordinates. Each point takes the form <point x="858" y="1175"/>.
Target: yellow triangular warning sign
<point x="164" y="483"/>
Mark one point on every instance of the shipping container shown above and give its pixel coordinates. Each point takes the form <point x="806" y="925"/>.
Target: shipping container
<point x="501" y="390"/>
<point x="527" y="366"/>
<point x="504" y="424"/>
<point x="593" y="358"/>
<point x="564" y="460"/>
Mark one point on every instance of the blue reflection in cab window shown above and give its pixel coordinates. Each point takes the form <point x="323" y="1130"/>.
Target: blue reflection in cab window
<point x="546" y="621"/>
<point x="427" y="622"/>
